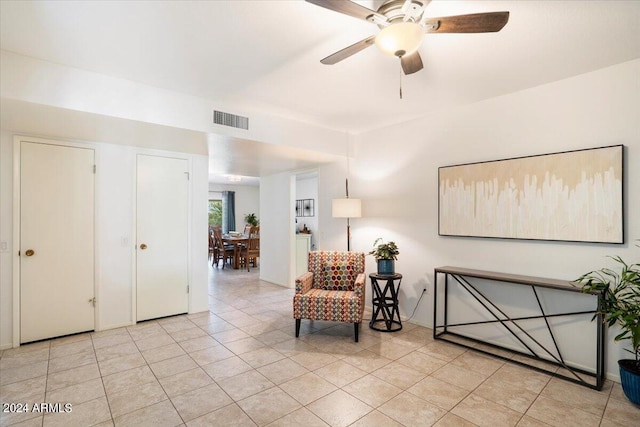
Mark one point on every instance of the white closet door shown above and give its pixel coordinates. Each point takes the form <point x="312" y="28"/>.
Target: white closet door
<point x="162" y="237"/>
<point x="56" y="240"/>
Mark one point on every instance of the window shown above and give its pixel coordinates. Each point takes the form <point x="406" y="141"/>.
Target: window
<point x="215" y="213"/>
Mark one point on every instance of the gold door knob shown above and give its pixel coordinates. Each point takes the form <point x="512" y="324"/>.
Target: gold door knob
<point x="29" y="252"/>
<point x="143" y="246"/>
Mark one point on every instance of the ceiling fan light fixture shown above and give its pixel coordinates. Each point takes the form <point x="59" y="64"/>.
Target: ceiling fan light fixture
<point x="400" y="39"/>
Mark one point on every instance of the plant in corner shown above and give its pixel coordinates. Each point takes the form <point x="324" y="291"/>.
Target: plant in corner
<point x="385" y="255"/>
<point x="251" y="219"/>
<point x="621" y="305"/>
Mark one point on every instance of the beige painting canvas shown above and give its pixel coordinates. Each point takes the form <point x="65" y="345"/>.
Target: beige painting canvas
<point x="570" y="196"/>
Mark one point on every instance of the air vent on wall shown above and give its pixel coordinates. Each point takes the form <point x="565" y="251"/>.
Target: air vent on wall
<point x="232" y="120"/>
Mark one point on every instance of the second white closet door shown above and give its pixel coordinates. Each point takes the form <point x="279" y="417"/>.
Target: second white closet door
<point x="162" y="273"/>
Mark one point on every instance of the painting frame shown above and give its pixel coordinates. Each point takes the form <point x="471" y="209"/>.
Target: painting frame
<point x="305" y="208"/>
<point x="567" y="196"/>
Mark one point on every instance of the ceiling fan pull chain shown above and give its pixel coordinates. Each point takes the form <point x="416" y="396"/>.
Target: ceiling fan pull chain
<point x="400" y="58"/>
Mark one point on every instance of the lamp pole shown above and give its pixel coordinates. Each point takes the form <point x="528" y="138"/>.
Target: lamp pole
<point x="346" y="183"/>
<point x="346" y="208"/>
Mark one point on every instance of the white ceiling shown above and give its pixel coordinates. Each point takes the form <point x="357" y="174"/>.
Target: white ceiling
<point x="264" y="55"/>
<point x="232" y="154"/>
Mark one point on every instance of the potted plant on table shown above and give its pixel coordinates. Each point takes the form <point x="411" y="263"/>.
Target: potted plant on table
<point x="251" y="219"/>
<point x="385" y="254"/>
<point x="621" y="306"/>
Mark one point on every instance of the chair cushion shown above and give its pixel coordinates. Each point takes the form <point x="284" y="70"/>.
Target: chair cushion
<point x="338" y="276"/>
<point x="319" y="260"/>
<point x="338" y="306"/>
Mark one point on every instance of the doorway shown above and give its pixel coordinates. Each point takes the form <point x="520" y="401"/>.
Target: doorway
<point x="162" y="235"/>
<point x="56" y="239"/>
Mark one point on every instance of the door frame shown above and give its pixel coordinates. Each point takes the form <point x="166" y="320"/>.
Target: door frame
<point x="134" y="225"/>
<point x="17" y="141"/>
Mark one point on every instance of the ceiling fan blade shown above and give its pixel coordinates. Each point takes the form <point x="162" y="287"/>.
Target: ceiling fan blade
<point x="348" y="8"/>
<point x="348" y="51"/>
<point x="490" y="22"/>
<point x="411" y="63"/>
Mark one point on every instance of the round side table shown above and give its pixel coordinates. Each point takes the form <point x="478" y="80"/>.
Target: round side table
<point x="385" y="301"/>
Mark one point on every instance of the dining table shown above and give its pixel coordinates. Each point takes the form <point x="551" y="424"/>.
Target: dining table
<point x="236" y="240"/>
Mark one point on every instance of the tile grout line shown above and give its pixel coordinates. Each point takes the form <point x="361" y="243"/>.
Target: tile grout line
<point x="102" y="377"/>
<point x="156" y="377"/>
<point x="206" y="373"/>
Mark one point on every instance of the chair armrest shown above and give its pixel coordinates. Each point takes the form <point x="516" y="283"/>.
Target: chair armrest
<point x="359" y="284"/>
<point x="304" y="283"/>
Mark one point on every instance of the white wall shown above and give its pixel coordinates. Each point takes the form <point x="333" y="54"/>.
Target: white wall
<point x="395" y="174"/>
<point x="199" y="232"/>
<point x="332" y="234"/>
<point x="115" y="240"/>
<point x="247" y="200"/>
<point x="6" y="232"/>
<point x="34" y="81"/>
<point x="277" y="232"/>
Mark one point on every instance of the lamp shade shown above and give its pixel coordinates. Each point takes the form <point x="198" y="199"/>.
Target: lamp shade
<point x="346" y="208"/>
<point x="400" y="39"/>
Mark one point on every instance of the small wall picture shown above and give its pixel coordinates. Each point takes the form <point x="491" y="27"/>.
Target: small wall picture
<point x="305" y="207"/>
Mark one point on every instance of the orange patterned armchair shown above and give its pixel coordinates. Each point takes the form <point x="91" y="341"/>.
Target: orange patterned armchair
<point x="333" y="289"/>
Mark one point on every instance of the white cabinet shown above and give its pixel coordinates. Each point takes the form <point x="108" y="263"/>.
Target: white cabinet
<point x="303" y="246"/>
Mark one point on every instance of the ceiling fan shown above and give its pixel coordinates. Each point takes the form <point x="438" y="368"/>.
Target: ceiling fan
<point x="403" y="26"/>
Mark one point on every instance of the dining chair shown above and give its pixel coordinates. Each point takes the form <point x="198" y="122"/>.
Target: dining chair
<point x="221" y="252"/>
<point x="250" y="252"/>
<point x="212" y="245"/>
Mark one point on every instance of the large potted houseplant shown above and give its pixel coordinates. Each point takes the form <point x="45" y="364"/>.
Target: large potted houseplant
<point x="621" y="306"/>
<point x="385" y="254"/>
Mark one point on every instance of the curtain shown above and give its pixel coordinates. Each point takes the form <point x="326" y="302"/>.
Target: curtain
<point x="228" y="211"/>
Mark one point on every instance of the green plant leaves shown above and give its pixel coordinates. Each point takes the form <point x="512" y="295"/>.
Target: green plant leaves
<point x="384" y="250"/>
<point x="620" y="298"/>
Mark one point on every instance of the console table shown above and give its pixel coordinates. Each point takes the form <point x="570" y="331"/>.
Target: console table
<point x="516" y="326"/>
<point x="385" y="301"/>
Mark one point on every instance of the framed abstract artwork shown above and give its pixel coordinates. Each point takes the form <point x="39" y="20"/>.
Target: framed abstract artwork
<point x="305" y="207"/>
<point x="574" y="196"/>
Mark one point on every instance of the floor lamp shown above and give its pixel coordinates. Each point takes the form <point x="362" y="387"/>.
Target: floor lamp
<point x="347" y="208"/>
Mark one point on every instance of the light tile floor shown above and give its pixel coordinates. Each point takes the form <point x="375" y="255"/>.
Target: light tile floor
<point x="240" y="364"/>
